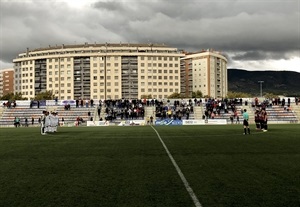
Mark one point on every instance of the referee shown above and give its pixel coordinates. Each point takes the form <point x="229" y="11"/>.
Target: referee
<point x="246" y="123"/>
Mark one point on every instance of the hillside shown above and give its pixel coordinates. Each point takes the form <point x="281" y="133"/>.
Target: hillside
<point x="277" y="82"/>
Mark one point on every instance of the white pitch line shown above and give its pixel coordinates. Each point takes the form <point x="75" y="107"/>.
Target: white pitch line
<point x="181" y="175"/>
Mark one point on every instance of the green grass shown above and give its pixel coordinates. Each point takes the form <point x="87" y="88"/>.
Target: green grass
<point x="128" y="166"/>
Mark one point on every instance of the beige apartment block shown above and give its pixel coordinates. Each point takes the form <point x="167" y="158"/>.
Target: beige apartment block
<point x="6" y="81"/>
<point x="99" y="71"/>
<point x="204" y="71"/>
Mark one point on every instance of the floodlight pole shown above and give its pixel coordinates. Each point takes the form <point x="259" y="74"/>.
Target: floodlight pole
<point x="260" y="82"/>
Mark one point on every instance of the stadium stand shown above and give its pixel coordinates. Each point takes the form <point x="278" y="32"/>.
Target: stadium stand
<point x="118" y="110"/>
<point x="8" y="115"/>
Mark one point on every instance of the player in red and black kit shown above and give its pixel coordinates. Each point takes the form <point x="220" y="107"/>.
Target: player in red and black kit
<point x="264" y="117"/>
<point x="257" y="120"/>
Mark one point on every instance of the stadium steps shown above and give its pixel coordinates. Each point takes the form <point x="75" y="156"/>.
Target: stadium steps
<point x="149" y="111"/>
<point x="71" y="115"/>
<point x="198" y="112"/>
<point x="277" y="114"/>
<point x="296" y="110"/>
<point x="2" y="109"/>
<point x="8" y="115"/>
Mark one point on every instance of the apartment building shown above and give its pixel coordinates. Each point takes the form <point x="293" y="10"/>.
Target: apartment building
<point x="6" y="81"/>
<point x="99" y="71"/>
<point x="204" y="71"/>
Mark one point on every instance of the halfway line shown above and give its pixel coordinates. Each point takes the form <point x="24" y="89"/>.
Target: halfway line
<point x="181" y="175"/>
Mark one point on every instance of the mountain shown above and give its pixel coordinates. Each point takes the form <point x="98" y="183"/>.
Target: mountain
<point x="285" y="83"/>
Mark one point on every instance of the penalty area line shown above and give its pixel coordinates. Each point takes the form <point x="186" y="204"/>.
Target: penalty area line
<point x="181" y="175"/>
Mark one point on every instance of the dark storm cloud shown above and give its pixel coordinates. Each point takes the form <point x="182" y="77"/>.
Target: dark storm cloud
<point x="259" y="27"/>
<point x="248" y="30"/>
<point x="258" y="55"/>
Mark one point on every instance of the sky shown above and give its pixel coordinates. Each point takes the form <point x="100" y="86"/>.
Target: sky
<point x="252" y="34"/>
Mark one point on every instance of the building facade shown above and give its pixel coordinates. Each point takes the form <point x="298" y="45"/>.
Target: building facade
<point x="115" y="71"/>
<point x="99" y="71"/>
<point x="205" y="71"/>
<point x="6" y="81"/>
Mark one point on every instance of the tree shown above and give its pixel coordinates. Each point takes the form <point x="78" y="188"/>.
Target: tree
<point x="44" y="96"/>
<point x="232" y="94"/>
<point x="146" y="96"/>
<point x="197" y="94"/>
<point x="174" y="95"/>
<point x="270" y="95"/>
<point x="12" y="97"/>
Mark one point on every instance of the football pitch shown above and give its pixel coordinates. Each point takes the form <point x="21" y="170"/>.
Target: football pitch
<point x="141" y="166"/>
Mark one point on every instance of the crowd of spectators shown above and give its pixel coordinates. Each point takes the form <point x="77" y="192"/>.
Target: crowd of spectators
<point x="9" y="104"/>
<point x="124" y="109"/>
<point x="216" y="107"/>
<point x="176" y="110"/>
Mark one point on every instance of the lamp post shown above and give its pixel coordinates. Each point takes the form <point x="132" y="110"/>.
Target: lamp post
<point x="260" y="83"/>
